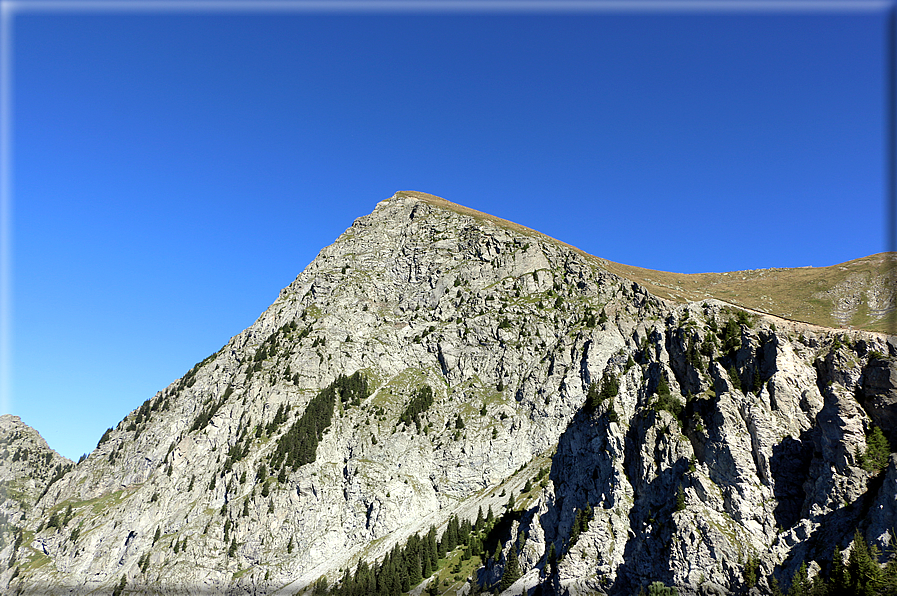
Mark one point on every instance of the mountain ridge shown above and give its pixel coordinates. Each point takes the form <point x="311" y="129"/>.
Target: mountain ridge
<point x="882" y="267"/>
<point x="517" y="337"/>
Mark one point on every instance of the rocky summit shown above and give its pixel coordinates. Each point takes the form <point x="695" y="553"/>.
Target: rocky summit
<point x="444" y="402"/>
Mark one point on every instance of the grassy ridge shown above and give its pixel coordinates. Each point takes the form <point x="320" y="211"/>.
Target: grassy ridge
<point x="834" y="296"/>
<point x="808" y="294"/>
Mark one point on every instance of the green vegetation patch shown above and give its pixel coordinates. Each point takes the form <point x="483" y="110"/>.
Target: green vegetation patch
<point x="36" y="561"/>
<point x="875" y="458"/>
<point x="209" y="409"/>
<point x="667" y="401"/>
<point x="312" y="311"/>
<point x="420" y="403"/>
<point x="299" y="445"/>
<point x="450" y="559"/>
<point x="103" y="502"/>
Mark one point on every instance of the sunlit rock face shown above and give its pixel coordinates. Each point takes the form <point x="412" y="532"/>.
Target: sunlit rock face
<point x="729" y="438"/>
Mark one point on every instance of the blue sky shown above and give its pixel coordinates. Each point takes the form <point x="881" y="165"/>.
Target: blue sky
<point x="172" y="171"/>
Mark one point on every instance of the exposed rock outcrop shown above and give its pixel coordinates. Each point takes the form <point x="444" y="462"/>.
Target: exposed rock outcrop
<point x="730" y="437"/>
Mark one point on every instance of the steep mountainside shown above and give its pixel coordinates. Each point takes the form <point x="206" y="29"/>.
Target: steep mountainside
<point x="436" y="365"/>
<point x="27" y="468"/>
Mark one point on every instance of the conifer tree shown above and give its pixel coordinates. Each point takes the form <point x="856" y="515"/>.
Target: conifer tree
<point x="574" y="531"/>
<point x="877" y="451"/>
<point x="120" y="588"/>
<point x="426" y="562"/>
<point x="415" y="567"/>
<point x="432" y="548"/>
<point x="865" y="573"/>
<point x="440" y="548"/>
<point x="839" y="577"/>
<point x="405" y="576"/>
<point x="395" y="576"/>
<point x="464" y="532"/>
<point x="659" y="589"/>
<point x="734" y="378"/>
<point x="610" y="386"/>
<point x="512" y="570"/>
<point x="593" y="397"/>
<point x="800" y="584"/>
<point x="731" y="336"/>
<point x="663" y="388"/>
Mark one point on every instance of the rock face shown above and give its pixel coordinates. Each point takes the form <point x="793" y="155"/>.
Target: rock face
<point x="731" y="437"/>
<point x="27" y="469"/>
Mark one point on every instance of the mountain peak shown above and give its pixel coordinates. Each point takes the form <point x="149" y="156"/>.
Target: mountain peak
<point x="446" y="384"/>
<point x="858" y="294"/>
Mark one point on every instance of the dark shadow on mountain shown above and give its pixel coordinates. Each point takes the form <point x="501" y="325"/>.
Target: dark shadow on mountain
<point x="789" y="466"/>
<point x="497" y="536"/>
<point x="835" y="529"/>
<point x="650" y="516"/>
<point x="583" y="447"/>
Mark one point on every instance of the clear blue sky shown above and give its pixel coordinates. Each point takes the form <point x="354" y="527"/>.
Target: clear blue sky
<point x="172" y="172"/>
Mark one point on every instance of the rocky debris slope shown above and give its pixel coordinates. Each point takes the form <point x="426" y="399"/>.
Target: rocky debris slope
<point x="727" y="442"/>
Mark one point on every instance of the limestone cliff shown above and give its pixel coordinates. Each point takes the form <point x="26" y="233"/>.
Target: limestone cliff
<point x="27" y="469"/>
<point x="732" y="438"/>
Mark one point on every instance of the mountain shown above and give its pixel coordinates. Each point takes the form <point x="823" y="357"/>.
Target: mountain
<point x="447" y="402"/>
<point x="857" y="294"/>
<point x="27" y="469"/>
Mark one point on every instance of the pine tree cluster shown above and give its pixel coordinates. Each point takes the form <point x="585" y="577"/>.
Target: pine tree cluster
<point x="105" y="437"/>
<point x="60" y="471"/>
<point x="860" y="576"/>
<point x="270" y="346"/>
<point x="607" y="389"/>
<point x="419" y="404"/>
<point x="419" y="558"/>
<point x="878" y="450"/>
<point x="590" y="320"/>
<point x="730" y="336"/>
<point x="402" y="568"/>
<point x="667" y="401"/>
<point x="279" y="418"/>
<point x="512" y="570"/>
<point x="210" y="408"/>
<point x="580" y="524"/>
<point x="144" y="413"/>
<point x="692" y="354"/>
<point x="239" y="450"/>
<point x="189" y="379"/>
<point x="299" y="445"/>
